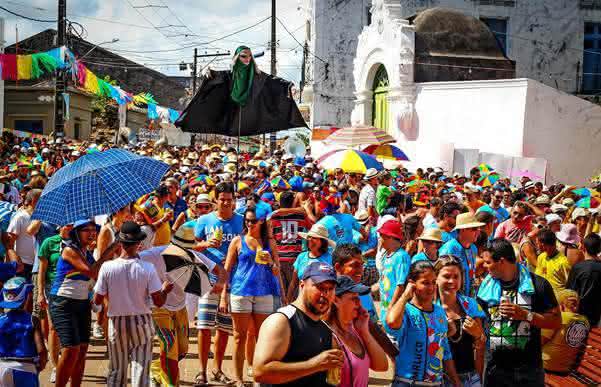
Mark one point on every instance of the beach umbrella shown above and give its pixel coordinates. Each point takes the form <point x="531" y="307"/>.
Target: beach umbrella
<point x="585" y="192"/>
<point x="201" y="179"/>
<point x="387" y="152"/>
<point x="588" y="202"/>
<point x="350" y="161"/>
<point x="280" y="182"/>
<point x="99" y="183"/>
<point x="415" y="185"/>
<point x="7" y="210"/>
<point x="488" y="179"/>
<point x="358" y="135"/>
<point x="485" y="168"/>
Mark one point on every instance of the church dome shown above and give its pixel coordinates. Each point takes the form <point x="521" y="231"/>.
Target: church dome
<point x="447" y="32"/>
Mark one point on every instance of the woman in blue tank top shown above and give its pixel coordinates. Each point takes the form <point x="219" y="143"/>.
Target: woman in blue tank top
<point x="255" y="284"/>
<point x="70" y="308"/>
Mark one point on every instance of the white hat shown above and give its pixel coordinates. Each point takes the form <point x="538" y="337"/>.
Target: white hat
<point x="45" y="150"/>
<point x="550" y="218"/>
<point x="529" y="185"/>
<point x="318" y="231"/>
<point x="370" y="174"/>
<point x="578" y="212"/>
<point x="555" y="208"/>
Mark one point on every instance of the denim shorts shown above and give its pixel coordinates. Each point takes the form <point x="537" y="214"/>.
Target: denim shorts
<point x="72" y="320"/>
<point x="468" y="379"/>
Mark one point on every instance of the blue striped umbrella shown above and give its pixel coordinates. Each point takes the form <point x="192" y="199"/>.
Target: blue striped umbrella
<point x="97" y="184"/>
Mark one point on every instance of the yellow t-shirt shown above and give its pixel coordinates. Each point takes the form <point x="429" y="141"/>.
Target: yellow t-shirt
<point x="560" y="353"/>
<point x="555" y="270"/>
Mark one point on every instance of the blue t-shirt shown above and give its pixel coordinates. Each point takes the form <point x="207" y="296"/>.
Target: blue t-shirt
<point x="16" y="335"/>
<point x="423" y="344"/>
<point x="46" y="231"/>
<point x="366" y="245"/>
<point x="303" y="260"/>
<point x="468" y="261"/>
<point x="205" y="229"/>
<point x="177" y="208"/>
<point x="367" y="302"/>
<point x="395" y="269"/>
<point x="500" y="213"/>
<point x="340" y="227"/>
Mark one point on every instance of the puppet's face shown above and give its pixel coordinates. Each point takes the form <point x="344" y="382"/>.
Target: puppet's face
<point x="245" y="56"/>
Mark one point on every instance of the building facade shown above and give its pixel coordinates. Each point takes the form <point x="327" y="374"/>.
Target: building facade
<point x="556" y="42"/>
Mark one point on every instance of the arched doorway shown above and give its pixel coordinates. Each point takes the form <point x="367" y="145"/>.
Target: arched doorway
<point x="380" y="99"/>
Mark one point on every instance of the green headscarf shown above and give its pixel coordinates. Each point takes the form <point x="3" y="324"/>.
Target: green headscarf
<point x="243" y="79"/>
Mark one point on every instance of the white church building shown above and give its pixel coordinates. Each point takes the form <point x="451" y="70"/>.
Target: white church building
<point x="442" y="84"/>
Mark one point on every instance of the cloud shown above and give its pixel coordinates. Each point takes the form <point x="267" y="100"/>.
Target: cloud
<point x="204" y="20"/>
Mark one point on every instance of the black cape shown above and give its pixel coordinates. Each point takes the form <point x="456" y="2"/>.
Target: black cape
<point x="269" y="107"/>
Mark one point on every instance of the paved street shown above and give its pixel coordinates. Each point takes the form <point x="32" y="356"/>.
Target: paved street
<point x="97" y="363"/>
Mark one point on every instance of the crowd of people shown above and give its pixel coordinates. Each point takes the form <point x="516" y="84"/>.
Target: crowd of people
<point x="319" y="276"/>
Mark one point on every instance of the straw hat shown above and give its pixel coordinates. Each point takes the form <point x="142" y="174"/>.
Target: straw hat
<point x="183" y="238"/>
<point x="579" y="212"/>
<point x="542" y="200"/>
<point x="467" y="220"/>
<point x="362" y="216"/>
<point x="230" y="168"/>
<point x="370" y="174"/>
<point x="318" y="231"/>
<point x="431" y="235"/>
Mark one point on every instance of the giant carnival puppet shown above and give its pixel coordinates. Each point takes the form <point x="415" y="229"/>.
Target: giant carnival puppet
<point x="242" y="101"/>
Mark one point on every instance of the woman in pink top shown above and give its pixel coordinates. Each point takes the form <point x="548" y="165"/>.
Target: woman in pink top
<point x="348" y="322"/>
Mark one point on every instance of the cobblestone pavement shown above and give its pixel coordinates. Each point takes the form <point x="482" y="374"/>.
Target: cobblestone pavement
<point x="97" y="363"/>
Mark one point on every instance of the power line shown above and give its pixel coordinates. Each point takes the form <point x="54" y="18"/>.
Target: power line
<point x="299" y="43"/>
<point x="195" y="43"/>
<point x="27" y="17"/>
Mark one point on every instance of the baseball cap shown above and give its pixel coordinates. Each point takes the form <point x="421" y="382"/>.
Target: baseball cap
<point x="14" y="293"/>
<point x="319" y="272"/>
<point x="550" y="218"/>
<point x="392" y="228"/>
<point x="345" y="284"/>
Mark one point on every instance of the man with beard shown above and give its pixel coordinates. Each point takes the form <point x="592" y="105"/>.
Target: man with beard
<point x="294" y="347"/>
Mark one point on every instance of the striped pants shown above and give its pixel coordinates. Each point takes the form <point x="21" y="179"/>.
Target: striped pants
<point x="130" y="341"/>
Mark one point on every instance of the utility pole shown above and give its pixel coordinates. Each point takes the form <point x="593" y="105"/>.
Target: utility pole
<point x="61" y="79"/>
<point x="183" y="65"/>
<point x="303" y="70"/>
<point x="272" y="136"/>
<point x="194" y="71"/>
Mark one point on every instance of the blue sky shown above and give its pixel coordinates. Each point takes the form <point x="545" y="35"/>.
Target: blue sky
<point x="175" y="25"/>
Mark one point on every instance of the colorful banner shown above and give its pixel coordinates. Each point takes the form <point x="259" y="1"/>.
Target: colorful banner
<point x="20" y="133"/>
<point x="29" y="67"/>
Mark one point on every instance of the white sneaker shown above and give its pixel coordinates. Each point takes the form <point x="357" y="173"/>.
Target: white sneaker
<point x="97" y="331"/>
<point x="53" y="376"/>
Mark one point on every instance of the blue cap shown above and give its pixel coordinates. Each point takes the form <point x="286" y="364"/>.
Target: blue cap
<point x="299" y="161"/>
<point x="82" y="222"/>
<point x="14" y="293"/>
<point x="319" y="272"/>
<point x="345" y="284"/>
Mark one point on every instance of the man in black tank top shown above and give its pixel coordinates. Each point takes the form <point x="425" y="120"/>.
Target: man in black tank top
<point x="294" y="347"/>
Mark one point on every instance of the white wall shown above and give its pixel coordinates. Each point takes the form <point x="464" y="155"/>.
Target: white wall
<point x="335" y="27"/>
<point x="484" y="115"/>
<point x="564" y="129"/>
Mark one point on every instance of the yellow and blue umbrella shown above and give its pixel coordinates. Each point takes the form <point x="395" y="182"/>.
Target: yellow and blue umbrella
<point x="350" y="161"/>
<point x="387" y="152"/>
<point x="488" y="179"/>
<point x="485" y="168"/>
<point x="588" y="202"/>
<point x="280" y="182"/>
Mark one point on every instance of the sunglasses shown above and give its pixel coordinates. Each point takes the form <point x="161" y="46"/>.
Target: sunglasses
<point x="252" y="221"/>
<point x="498" y="197"/>
<point x="243" y="56"/>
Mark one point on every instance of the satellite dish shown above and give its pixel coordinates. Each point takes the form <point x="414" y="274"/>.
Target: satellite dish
<point x="294" y="146"/>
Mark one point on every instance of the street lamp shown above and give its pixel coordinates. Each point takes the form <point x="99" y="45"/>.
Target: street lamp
<point x="114" y="40"/>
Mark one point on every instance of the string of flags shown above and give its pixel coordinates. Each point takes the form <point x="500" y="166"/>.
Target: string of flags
<point x="33" y="66"/>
